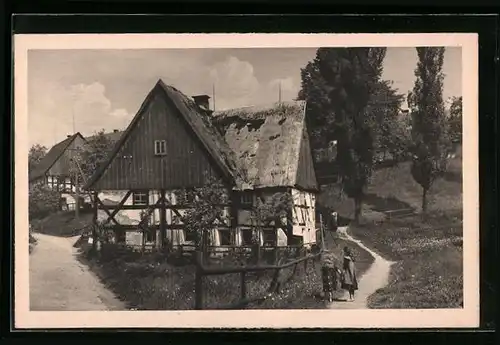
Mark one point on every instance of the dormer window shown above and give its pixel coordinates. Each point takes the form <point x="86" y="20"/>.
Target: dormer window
<point x="160" y="147"/>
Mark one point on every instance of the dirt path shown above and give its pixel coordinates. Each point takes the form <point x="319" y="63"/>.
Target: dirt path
<point x="376" y="277"/>
<point x="58" y="281"/>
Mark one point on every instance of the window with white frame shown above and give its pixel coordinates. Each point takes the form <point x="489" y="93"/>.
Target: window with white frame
<point x="140" y="198"/>
<point x="160" y="147"/>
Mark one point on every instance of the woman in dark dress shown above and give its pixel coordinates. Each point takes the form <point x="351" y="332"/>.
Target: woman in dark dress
<point x="350" y="281"/>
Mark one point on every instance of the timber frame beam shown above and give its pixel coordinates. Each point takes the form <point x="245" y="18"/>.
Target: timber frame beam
<point x="117" y="208"/>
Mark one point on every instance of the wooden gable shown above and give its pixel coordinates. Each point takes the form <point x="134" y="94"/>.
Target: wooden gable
<point x="135" y="164"/>
<point x="306" y="175"/>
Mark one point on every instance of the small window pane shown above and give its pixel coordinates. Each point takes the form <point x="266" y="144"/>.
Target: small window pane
<point x="151" y="236"/>
<point x="225" y="237"/>
<point x="247" y="199"/>
<point x="270" y="238"/>
<point x="246" y="237"/>
<point x="140" y="198"/>
<point x="160" y="147"/>
<point x="189" y="236"/>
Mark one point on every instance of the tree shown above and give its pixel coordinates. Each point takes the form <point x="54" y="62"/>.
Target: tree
<point x="205" y="211"/>
<point x="274" y="211"/>
<point x="338" y="85"/>
<point x="35" y="155"/>
<point x="94" y="152"/>
<point x="429" y="129"/>
<point x="455" y="119"/>
<point x="389" y="133"/>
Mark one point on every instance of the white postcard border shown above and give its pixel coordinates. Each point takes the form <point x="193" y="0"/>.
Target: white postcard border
<point x="372" y="318"/>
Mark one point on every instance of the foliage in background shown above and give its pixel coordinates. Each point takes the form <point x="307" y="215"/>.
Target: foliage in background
<point x="42" y="201"/>
<point x="391" y="133"/>
<point x="35" y="155"/>
<point x="429" y="128"/>
<point x="338" y="86"/>
<point x="455" y="119"/>
<point x="94" y="152"/>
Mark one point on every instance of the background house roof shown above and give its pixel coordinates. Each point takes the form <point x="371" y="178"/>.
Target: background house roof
<point x="51" y="157"/>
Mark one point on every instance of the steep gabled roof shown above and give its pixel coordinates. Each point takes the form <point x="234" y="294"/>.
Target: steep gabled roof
<point x="267" y="142"/>
<point x="52" y="156"/>
<point x="197" y="119"/>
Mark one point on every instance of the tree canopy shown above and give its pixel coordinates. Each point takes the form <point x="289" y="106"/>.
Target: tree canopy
<point x="35" y="155"/>
<point x="455" y="119"/>
<point x="338" y="85"/>
<point x="429" y="127"/>
<point x="94" y="152"/>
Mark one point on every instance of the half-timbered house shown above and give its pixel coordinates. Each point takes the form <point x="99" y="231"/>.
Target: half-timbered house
<point x="175" y="142"/>
<point x="55" y="171"/>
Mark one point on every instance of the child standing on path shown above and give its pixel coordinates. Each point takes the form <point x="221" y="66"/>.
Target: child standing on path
<point x="349" y="281"/>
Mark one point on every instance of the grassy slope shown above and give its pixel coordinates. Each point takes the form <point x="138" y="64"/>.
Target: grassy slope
<point x="396" y="183"/>
<point x="149" y="282"/>
<point x="429" y="270"/>
<point x="62" y="224"/>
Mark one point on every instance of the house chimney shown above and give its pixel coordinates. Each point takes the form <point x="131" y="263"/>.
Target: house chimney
<point x="202" y="101"/>
<point x="115" y="131"/>
<point x="68" y="136"/>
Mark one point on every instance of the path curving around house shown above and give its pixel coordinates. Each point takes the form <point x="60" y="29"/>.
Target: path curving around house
<point x="59" y="282"/>
<point x="376" y="277"/>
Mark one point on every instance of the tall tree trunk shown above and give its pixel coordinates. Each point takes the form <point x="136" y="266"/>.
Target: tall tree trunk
<point x="424" y="201"/>
<point x="358" y="203"/>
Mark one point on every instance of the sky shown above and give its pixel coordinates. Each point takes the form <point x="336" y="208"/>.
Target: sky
<point x="103" y="89"/>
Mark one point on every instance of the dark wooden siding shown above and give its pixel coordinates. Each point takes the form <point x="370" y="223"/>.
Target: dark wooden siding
<point x="136" y="167"/>
<point x="62" y="166"/>
<point x="306" y="176"/>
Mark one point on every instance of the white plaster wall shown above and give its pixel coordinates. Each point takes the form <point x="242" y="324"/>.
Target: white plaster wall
<point x="69" y="198"/>
<point x="305" y="216"/>
<point x="125" y="217"/>
<point x="132" y="217"/>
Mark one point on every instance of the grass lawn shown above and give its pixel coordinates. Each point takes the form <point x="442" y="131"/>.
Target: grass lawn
<point x="394" y="188"/>
<point x="429" y="268"/>
<point x="149" y="282"/>
<point x="62" y="223"/>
